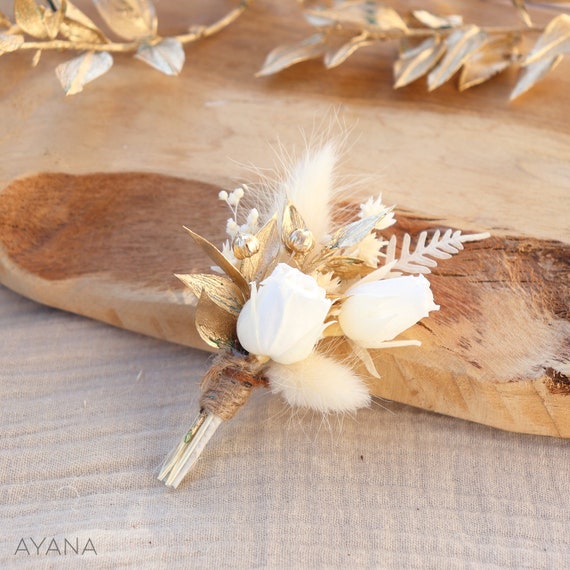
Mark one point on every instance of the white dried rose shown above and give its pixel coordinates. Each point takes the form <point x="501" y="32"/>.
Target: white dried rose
<point x="284" y="319"/>
<point x="378" y="311"/>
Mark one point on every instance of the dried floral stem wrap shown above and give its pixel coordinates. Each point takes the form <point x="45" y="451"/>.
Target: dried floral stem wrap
<point x="227" y="388"/>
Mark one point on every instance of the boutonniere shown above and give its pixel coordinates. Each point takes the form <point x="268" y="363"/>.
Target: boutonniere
<point x="291" y="280"/>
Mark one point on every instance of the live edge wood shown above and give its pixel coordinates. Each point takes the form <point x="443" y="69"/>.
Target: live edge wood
<point x="106" y="246"/>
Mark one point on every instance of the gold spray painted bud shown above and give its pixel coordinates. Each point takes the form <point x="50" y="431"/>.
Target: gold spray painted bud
<point x="245" y="245"/>
<point x="300" y="241"/>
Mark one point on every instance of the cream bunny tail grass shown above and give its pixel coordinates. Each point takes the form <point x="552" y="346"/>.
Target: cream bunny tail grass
<point x="310" y="187"/>
<point x="309" y="179"/>
<point x="320" y="383"/>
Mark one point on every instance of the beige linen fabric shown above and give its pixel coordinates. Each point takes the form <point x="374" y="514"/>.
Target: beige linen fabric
<point x="89" y="411"/>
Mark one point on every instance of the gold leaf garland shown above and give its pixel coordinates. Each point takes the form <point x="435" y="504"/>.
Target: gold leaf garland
<point x="60" y="25"/>
<point x="432" y="45"/>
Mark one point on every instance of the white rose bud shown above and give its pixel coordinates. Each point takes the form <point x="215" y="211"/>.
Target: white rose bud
<point x="378" y="311"/>
<point x="284" y="318"/>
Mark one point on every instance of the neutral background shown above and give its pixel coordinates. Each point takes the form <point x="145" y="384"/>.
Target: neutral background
<point x="89" y="411"/>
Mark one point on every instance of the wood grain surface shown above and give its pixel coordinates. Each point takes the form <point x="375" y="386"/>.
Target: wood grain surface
<point x="468" y="160"/>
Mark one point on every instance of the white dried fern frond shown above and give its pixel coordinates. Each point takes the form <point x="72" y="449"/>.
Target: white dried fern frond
<point x="424" y="256"/>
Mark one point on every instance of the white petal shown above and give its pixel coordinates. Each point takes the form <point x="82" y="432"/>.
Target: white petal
<point x="379" y="311"/>
<point x="284" y="318"/>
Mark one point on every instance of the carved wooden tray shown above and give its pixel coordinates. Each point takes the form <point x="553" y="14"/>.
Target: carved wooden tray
<point x="106" y="245"/>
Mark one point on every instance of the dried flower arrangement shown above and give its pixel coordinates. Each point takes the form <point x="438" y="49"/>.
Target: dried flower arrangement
<point x="434" y="45"/>
<point x="287" y="281"/>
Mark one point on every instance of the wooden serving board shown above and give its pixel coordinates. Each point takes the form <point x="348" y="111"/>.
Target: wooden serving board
<point x="106" y="244"/>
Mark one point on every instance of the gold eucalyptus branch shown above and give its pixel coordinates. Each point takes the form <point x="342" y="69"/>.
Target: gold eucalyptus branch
<point x="429" y="44"/>
<point x="60" y="25"/>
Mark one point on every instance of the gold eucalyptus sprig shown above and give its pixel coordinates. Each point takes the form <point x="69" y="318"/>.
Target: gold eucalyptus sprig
<point x="60" y="25"/>
<point x="429" y="44"/>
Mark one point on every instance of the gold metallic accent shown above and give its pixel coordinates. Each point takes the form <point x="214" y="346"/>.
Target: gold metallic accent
<point x="347" y="268"/>
<point x="220" y="259"/>
<point x="492" y="58"/>
<point x="62" y="26"/>
<point x="256" y="267"/>
<point x="245" y="245"/>
<point x="215" y="325"/>
<point x="294" y="232"/>
<point x="225" y="293"/>
<point x="433" y="45"/>
<point x="300" y="241"/>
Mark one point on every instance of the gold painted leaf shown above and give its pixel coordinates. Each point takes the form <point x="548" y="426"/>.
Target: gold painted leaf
<point x="77" y="32"/>
<point x="520" y="5"/>
<point x="348" y="267"/>
<point x="292" y="220"/>
<point x="254" y="268"/>
<point x="533" y="73"/>
<point x="219" y="259"/>
<point x="77" y="27"/>
<point x="37" y="20"/>
<point x="417" y="61"/>
<point x="317" y="261"/>
<point x="130" y="19"/>
<point x="437" y="22"/>
<point x="53" y="20"/>
<point x="460" y="44"/>
<point x="554" y="41"/>
<point x="76" y="73"/>
<point x="29" y="17"/>
<point x="216" y="327"/>
<point x="334" y="58"/>
<point x="221" y="290"/>
<point x="74" y="13"/>
<point x="494" y="56"/>
<point x="355" y="232"/>
<point x="285" y="56"/>
<point x="167" y="56"/>
<point x="10" y="42"/>
<point x="364" y="16"/>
